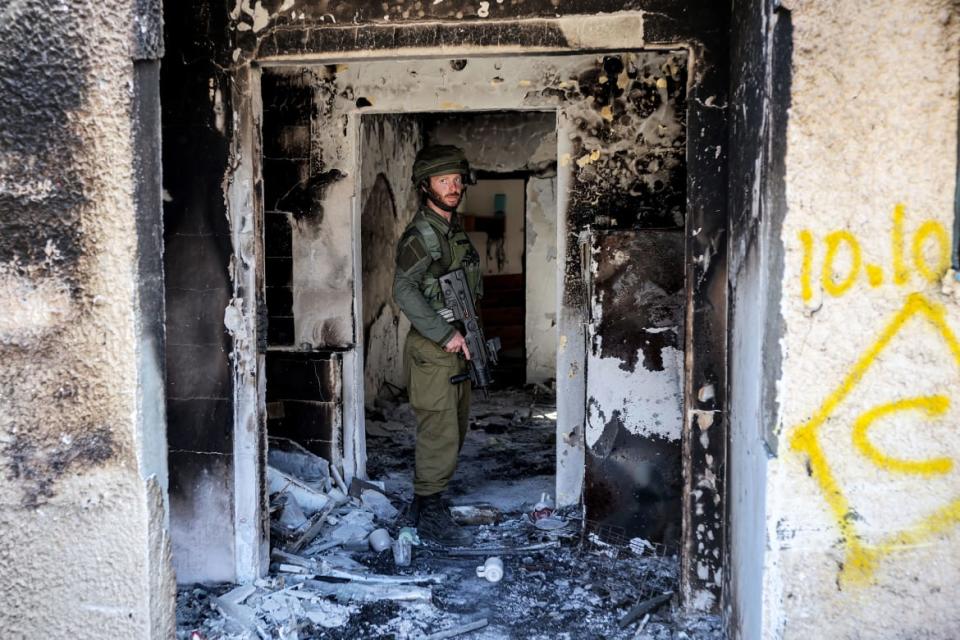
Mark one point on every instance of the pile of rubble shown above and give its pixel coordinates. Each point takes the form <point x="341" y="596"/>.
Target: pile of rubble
<point x="317" y="525"/>
<point x="346" y="564"/>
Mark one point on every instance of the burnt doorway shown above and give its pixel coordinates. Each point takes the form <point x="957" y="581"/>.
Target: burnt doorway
<point x="620" y="151"/>
<point x="509" y="456"/>
<point x="611" y="162"/>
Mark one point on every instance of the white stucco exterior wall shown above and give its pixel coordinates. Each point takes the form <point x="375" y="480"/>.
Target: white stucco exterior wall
<point x="863" y="498"/>
<point x="84" y="546"/>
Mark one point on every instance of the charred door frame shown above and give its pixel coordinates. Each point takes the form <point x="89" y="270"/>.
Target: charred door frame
<point x="700" y="30"/>
<point x="243" y="191"/>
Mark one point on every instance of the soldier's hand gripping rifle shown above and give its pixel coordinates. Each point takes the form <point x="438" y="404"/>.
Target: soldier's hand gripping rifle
<point x="483" y="353"/>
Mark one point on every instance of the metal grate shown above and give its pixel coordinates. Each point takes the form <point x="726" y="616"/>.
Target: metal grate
<point x="603" y="539"/>
<point x="655" y="565"/>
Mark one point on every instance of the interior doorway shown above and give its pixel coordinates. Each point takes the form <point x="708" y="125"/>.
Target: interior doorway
<point x="495" y="221"/>
<point x="509" y="457"/>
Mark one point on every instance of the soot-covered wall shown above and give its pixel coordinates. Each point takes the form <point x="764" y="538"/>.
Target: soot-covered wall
<point x="760" y="90"/>
<point x="635" y="383"/>
<point x="303" y="386"/>
<point x="198" y="251"/>
<point x="287" y="114"/>
<point x="635" y="362"/>
<point x="389" y="146"/>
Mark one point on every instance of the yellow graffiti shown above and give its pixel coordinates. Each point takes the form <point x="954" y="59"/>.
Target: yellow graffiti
<point x="833" y="241"/>
<point x="936" y="230"/>
<point x="930" y="232"/>
<point x="861" y="557"/>
<point x="874" y="275"/>
<point x="932" y="406"/>
<point x="900" y="272"/>
<point x="806" y="289"/>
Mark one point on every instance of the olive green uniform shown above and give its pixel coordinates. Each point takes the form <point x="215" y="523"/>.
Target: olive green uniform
<point x="429" y="248"/>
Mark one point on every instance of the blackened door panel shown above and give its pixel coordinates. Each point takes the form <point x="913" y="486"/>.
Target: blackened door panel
<point x="635" y="383"/>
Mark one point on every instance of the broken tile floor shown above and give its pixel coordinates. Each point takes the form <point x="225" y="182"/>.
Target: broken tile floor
<point x="581" y="582"/>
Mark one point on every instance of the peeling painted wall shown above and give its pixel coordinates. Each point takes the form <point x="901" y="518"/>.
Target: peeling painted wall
<point x="84" y="547"/>
<point x="862" y="519"/>
<point x="389" y="147"/>
<point x="541" y="277"/>
<point x="637" y="330"/>
<point x="323" y="246"/>
<point x="499" y="142"/>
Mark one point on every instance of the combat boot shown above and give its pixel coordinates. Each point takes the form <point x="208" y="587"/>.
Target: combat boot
<point x="436" y="524"/>
<point x="413" y="512"/>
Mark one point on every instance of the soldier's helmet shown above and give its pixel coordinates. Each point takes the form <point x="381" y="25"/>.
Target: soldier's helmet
<point x="441" y="159"/>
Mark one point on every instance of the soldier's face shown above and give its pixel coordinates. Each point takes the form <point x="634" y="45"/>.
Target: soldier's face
<point x="448" y="188"/>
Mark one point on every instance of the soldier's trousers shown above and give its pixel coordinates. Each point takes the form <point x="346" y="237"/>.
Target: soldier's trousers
<point x="442" y="411"/>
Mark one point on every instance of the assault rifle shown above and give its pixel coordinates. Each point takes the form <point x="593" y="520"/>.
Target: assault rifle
<point x="483" y="353"/>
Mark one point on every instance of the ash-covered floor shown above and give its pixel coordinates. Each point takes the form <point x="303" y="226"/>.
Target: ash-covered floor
<point x="508" y="459"/>
<point x="578" y="581"/>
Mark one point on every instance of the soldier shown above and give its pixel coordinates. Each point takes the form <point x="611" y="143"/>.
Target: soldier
<point x="433" y="244"/>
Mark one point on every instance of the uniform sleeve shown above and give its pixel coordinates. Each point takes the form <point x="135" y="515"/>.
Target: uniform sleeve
<point x="412" y="263"/>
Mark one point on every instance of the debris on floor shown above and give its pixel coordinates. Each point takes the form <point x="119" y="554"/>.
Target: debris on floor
<point x="345" y="563"/>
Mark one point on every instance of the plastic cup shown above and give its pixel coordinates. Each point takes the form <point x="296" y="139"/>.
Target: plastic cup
<point x="491" y="570"/>
<point x="402" y="552"/>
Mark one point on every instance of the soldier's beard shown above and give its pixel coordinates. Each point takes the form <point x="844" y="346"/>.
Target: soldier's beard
<point x="435" y="198"/>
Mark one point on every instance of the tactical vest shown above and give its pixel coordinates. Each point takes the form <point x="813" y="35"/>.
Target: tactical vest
<point x="458" y="254"/>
